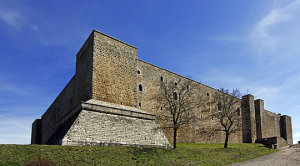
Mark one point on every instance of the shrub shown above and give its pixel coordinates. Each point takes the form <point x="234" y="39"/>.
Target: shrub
<point x="39" y="161"/>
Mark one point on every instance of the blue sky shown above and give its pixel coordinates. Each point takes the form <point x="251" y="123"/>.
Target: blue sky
<point x="250" y="45"/>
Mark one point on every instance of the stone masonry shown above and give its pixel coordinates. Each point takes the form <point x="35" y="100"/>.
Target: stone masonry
<point x="248" y="120"/>
<point x="109" y="101"/>
<point x="102" y="123"/>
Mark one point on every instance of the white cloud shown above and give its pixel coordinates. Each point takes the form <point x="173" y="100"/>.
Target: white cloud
<point x="265" y="91"/>
<point x="229" y="38"/>
<point x="273" y="43"/>
<point x="9" y="87"/>
<point x="16" y="17"/>
<point x="13" y="18"/>
<point x="275" y="34"/>
<point x="14" y="129"/>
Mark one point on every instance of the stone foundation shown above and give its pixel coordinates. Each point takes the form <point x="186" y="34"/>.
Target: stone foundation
<point x="101" y="123"/>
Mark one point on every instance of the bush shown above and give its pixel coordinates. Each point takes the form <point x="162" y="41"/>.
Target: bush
<point x="39" y="161"/>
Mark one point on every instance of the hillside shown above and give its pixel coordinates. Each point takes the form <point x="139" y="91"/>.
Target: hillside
<point x="185" y="154"/>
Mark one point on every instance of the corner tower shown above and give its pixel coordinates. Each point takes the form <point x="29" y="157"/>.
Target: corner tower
<point x="97" y="106"/>
<point x="286" y="128"/>
<point x="248" y="119"/>
<point x="114" y="77"/>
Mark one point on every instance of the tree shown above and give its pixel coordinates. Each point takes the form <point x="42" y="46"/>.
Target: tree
<point x="177" y="100"/>
<point x="228" y="111"/>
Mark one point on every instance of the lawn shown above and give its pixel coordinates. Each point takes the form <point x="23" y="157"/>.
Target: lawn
<point x="185" y="154"/>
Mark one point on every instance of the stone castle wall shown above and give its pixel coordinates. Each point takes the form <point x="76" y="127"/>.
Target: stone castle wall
<point x="271" y="124"/>
<point x="108" y="70"/>
<point x="114" y="71"/>
<point x="78" y="89"/>
<point x="56" y="111"/>
<point x="150" y="76"/>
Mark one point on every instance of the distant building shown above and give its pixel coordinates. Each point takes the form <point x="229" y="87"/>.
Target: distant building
<point x="109" y="102"/>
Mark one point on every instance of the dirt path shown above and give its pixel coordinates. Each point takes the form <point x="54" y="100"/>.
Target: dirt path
<point x="286" y="157"/>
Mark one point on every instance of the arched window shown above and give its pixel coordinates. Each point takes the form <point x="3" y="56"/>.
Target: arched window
<point x="140" y="104"/>
<point x="161" y="78"/>
<point x="140" y="87"/>
<point x="207" y="94"/>
<point x="175" y="96"/>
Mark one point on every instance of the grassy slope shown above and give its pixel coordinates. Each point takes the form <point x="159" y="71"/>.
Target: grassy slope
<point x="185" y="154"/>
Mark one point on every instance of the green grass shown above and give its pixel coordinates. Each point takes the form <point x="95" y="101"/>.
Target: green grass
<point x="185" y="154"/>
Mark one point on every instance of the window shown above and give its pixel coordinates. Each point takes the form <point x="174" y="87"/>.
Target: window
<point x="187" y="87"/>
<point x="219" y="107"/>
<point x="238" y="111"/>
<point x="139" y="72"/>
<point x="140" y="87"/>
<point x="161" y="79"/>
<point x="175" y="83"/>
<point x="140" y="104"/>
<point x="207" y="94"/>
<point x="175" y="96"/>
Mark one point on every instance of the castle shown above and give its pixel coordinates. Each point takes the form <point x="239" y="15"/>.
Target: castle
<point x="109" y="102"/>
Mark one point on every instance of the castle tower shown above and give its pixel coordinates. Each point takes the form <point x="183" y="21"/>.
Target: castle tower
<point x="248" y="119"/>
<point x="114" y="71"/>
<point x="98" y="105"/>
<point x="259" y="112"/>
<point x="286" y="128"/>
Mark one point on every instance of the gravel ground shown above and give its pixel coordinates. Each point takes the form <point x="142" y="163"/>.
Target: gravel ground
<point x="285" y="157"/>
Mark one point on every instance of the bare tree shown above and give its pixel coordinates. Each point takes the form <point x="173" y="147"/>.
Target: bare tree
<point x="227" y="112"/>
<point x="177" y="100"/>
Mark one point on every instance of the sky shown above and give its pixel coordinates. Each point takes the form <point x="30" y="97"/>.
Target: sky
<point x="250" y="45"/>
